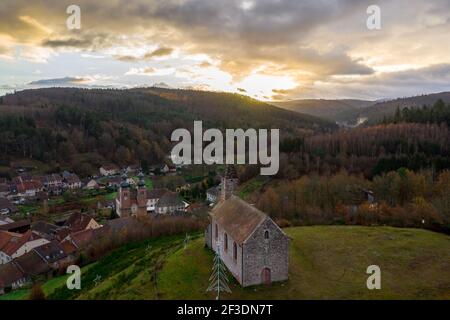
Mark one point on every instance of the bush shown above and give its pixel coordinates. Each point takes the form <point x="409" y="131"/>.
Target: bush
<point x="37" y="293"/>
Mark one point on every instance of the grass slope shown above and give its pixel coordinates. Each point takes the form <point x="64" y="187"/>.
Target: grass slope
<point x="327" y="262"/>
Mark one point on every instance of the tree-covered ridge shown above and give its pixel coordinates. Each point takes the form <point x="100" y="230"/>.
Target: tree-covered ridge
<point x="368" y="150"/>
<point x="437" y="113"/>
<point x="82" y="129"/>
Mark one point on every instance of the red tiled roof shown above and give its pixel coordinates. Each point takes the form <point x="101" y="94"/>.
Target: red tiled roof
<point x="16" y="225"/>
<point x="85" y="238"/>
<point x="78" y="222"/>
<point x="68" y="247"/>
<point x="28" y="185"/>
<point x="15" y="243"/>
<point x="32" y="264"/>
<point x="5" y="237"/>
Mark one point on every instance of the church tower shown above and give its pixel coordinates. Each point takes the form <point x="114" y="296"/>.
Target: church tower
<point x="229" y="183"/>
<point x="141" y="196"/>
<point x="123" y="202"/>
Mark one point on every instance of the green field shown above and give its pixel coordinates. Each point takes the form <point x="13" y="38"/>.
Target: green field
<point x="326" y="262"/>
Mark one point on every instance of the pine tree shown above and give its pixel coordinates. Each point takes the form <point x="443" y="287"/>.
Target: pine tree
<point x="218" y="279"/>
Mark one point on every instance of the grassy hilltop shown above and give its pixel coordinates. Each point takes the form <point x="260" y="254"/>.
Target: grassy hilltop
<point x="327" y="262"/>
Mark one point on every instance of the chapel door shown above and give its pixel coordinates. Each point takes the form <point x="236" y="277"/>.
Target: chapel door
<point x="265" y="276"/>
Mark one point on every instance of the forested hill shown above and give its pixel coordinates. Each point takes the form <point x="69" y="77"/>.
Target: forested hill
<point x="149" y="106"/>
<point x="380" y="110"/>
<point x="437" y="113"/>
<point x="351" y="111"/>
<point x="83" y="128"/>
<point x="333" y="110"/>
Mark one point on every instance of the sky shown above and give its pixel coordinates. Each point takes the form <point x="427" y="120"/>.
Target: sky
<point x="267" y="49"/>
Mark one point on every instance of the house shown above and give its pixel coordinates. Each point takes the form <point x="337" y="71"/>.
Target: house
<point x="72" y="182"/>
<point x="153" y="197"/>
<point x="6" y="207"/>
<point x="109" y="170"/>
<point x="18" y="246"/>
<point x="131" y="201"/>
<point x="80" y="221"/>
<point x="31" y="264"/>
<point x="53" y="191"/>
<point x="212" y="194"/>
<point x="20" y="226"/>
<point x="53" y="254"/>
<point x="133" y="169"/>
<point x="11" y="277"/>
<point x="21" y="179"/>
<point x="92" y="184"/>
<point x="86" y="238"/>
<point x="251" y="245"/>
<point x="53" y="181"/>
<point x="113" y="182"/>
<point x="45" y="229"/>
<point x="69" y="248"/>
<point x="5" y="238"/>
<point x="28" y="189"/>
<point x="169" y="203"/>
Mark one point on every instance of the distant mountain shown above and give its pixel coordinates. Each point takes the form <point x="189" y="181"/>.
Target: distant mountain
<point x="66" y="81"/>
<point x="327" y="109"/>
<point x="353" y="112"/>
<point x="379" y="110"/>
<point x="162" y="85"/>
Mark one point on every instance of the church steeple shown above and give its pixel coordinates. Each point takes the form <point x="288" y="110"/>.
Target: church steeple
<point x="141" y="192"/>
<point x="229" y="183"/>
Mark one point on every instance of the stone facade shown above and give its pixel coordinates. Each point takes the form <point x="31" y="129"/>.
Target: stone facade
<point x="261" y="253"/>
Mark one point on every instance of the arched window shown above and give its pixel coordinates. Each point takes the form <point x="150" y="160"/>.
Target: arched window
<point x="217" y="232"/>
<point x="266" y="235"/>
<point x="225" y="240"/>
<point x="234" y="251"/>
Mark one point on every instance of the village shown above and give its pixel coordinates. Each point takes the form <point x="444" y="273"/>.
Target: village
<point x="47" y="221"/>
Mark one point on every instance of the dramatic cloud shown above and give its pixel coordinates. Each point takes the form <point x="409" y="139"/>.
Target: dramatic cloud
<point x="314" y="47"/>
<point x="66" y="81"/>
<point x="160" y="52"/>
